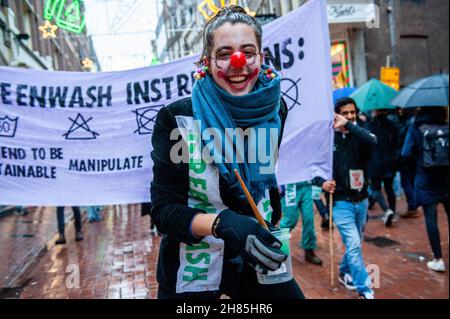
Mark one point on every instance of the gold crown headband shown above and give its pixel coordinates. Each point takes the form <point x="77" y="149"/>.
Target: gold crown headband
<point x="213" y="9"/>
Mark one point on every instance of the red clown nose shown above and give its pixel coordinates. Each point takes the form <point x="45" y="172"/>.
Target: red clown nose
<point x="238" y="60"/>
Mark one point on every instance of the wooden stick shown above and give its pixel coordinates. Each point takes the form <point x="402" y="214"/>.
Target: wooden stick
<point x="251" y="201"/>
<point x="331" y="239"/>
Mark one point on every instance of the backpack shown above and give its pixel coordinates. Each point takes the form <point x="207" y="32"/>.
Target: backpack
<point x="435" y="145"/>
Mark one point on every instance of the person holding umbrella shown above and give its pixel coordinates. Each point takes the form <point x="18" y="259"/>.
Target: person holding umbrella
<point x="426" y="143"/>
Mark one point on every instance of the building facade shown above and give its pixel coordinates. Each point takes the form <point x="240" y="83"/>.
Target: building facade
<point x="178" y="31"/>
<point x="421" y="38"/>
<point x="347" y="21"/>
<point x="360" y="34"/>
<point x="180" y="24"/>
<point x="22" y="44"/>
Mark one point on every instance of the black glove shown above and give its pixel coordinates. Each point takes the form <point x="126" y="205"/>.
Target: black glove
<point x="256" y="245"/>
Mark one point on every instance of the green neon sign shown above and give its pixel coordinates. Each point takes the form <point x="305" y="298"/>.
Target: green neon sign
<point x="155" y="61"/>
<point x="67" y="14"/>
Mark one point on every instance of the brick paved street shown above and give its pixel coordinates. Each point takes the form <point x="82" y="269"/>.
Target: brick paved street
<point x="117" y="259"/>
<point x="23" y="238"/>
<point x="402" y="274"/>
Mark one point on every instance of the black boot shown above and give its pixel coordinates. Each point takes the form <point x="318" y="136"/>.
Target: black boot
<point x="325" y="223"/>
<point x="78" y="235"/>
<point x="61" y="240"/>
<point x="311" y="257"/>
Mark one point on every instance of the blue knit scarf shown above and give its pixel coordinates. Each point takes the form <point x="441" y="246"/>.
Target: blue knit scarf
<point x="216" y="108"/>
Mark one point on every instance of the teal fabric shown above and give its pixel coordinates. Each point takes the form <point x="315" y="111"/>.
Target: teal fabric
<point x="216" y="108"/>
<point x="93" y="213"/>
<point x="292" y="206"/>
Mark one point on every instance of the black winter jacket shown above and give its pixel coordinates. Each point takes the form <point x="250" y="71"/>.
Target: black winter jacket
<point x="383" y="156"/>
<point x="351" y="151"/>
<point x="430" y="186"/>
<point x="169" y="193"/>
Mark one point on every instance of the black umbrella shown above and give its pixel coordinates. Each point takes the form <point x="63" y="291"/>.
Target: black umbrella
<point x="430" y="91"/>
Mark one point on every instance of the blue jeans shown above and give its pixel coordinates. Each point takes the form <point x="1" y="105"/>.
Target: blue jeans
<point x="350" y="219"/>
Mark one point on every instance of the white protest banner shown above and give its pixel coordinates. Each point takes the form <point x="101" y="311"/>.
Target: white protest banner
<point x="73" y="138"/>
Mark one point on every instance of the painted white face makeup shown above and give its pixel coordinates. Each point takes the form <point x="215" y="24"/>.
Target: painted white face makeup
<point x="228" y="39"/>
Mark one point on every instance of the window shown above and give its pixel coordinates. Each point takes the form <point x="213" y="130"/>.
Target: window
<point x="340" y="64"/>
<point x="26" y="22"/>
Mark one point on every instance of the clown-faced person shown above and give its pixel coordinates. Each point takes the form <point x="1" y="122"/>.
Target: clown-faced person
<point x="212" y="243"/>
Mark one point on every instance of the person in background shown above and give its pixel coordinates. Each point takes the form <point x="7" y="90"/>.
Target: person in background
<point x="21" y="210"/>
<point x="323" y="211"/>
<point x="298" y="198"/>
<point x="61" y="225"/>
<point x="382" y="163"/>
<point x="93" y="213"/>
<point x="406" y="166"/>
<point x="352" y="148"/>
<point x="363" y="118"/>
<point x="427" y="144"/>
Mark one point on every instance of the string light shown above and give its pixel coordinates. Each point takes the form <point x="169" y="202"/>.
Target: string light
<point x="48" y="30"/>
<point x="68" y="16"/>
<point x="87" y="63"/>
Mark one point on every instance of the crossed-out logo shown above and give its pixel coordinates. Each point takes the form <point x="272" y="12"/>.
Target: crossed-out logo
<point x="8" y="126"/>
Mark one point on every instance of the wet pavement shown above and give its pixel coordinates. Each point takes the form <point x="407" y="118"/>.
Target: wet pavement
<point x="117" y="258"/>
<point x="24" y="238"/>
<point x="399" y="252"/>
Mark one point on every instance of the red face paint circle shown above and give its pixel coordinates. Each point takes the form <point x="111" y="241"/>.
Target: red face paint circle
<point x="238" y="60"/>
